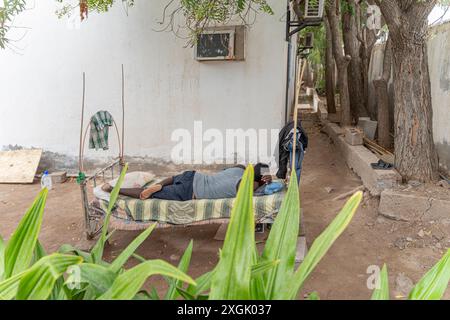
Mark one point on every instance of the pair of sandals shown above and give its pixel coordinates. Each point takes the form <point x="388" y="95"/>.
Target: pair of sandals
<point x="381" y="165"/>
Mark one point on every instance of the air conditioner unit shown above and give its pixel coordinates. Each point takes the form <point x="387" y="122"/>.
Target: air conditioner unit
<point x="314" y="8"/>
<point x="215" y="45"/>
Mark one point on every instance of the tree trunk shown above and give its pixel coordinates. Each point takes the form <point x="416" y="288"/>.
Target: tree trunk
<point x="415" y="153"/>
<point x="381" y="86"/>
<point x="342" y="62"/>
<point x="329" y="70"/>
<point x="352" y="47"/>
<point x="367" y="39"/>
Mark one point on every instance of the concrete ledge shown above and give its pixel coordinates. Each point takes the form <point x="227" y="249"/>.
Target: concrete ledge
<point x="413" y="206"/>
<point x="359" y="158"/>
<point x="322" y="112"/>
<point x="312" y="92"/>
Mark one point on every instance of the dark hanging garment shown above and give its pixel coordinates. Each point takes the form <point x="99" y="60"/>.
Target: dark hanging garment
<point x="285" y="138"/>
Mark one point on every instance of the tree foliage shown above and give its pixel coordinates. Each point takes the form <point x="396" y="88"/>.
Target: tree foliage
<point x="8" y="10"/>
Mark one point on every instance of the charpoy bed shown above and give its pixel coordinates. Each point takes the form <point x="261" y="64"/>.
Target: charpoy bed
<point x="135" y="214"/>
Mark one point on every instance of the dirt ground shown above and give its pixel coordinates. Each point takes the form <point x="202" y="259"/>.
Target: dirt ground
<point x="408" y="249"/>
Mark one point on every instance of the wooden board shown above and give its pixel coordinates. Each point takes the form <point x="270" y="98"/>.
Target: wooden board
<point x="19" y="166"/>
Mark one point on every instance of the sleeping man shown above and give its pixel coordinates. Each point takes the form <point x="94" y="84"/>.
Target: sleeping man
<point x="191" y="185"/>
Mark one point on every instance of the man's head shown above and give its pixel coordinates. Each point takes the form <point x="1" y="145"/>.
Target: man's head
<point x="261" y="169"/>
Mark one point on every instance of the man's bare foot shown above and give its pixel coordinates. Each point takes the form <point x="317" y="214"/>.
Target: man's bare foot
<point x="107" y="187"/>
<point x="147" y="193"/>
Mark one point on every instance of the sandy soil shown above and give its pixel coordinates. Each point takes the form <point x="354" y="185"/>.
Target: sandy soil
<point x="408" y="249"/>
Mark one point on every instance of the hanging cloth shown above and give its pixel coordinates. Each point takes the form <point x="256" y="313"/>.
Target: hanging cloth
<point x="100" y="123"/>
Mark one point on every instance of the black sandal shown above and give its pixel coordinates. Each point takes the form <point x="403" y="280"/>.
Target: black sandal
<point x="381" y="165"/>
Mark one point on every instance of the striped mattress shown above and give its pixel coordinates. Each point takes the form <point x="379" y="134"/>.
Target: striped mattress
<point x="187" y="212"/>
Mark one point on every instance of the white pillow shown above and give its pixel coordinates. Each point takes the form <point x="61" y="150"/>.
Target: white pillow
<point x="135" y="179"/>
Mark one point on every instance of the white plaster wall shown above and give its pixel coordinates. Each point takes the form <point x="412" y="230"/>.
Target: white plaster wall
<point x="439" y="64"/>
<point x="165" y="89"/>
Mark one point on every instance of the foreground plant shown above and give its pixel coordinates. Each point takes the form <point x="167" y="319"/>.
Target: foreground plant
<point x="244" y="274"/>
<point x="26" y="272"/>
<point x="431" y="287"/>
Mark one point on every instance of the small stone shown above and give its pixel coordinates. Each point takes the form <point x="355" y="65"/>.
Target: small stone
<point x="409" y="239"/>
<point x="329" y="189"/>
<point x="403" y="284"/>
<point x="421" y="233"/>
<point x="438" y="245"/>
<point x="414" y="183"/>
<point x="174" y="257"/>
<point x="444" y="184"/>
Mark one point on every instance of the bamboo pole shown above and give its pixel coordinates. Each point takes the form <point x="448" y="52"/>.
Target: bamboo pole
<point x="80" y="154"/>
<point x="123" y="114"/>
<point x="300" y="72"/>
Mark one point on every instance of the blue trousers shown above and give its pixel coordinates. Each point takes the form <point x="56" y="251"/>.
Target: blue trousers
<point x="299" y="155"/>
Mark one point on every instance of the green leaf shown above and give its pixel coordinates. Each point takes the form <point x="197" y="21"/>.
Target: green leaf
<point x="128" y="284"/>
<point x="183" y="266"/>
<point x="68" y="249"/>
<point x="97" y="251"/>
<point x="282" y="242"/>
<point x="382" y="292"/>
<point x="2" y="258"/>
<point x="203" y="284"/>
<point x="39" y="252"/>
<point x="313" y="296"/>
<point x="20" y="247"/>
<point x="233" y="272"/>
<point x="154" y="294"/>
<point x="263" y="267"/>
<point x="129" y="251"/>
<point x="37" y="282"/>
<point x="434" y="283"/>
<point x="8" y="287"/>
<point x="98" y="277"/>
<point x="321" y="245"/>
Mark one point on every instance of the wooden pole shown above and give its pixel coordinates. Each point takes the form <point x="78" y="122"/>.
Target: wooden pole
<point x="80" y="154"/>
<point x="300" y="72"/>
<point x="123" y="114"/>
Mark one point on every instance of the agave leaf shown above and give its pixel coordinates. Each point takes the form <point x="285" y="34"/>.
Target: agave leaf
<point x="128" y="284"/>
<point x="233" y="272"/>
<point x="37" y="282"/>
<point x="382" y="292"/>
<point x="282" y="242"/>
<point x="99" y="278"/>
<point x="434" y="283"/>
<point x="321" y="245"/>
<point x="183" y="266"/>
<point x="97" y="251"/>
<point x="128" y="252"/>
<point x="20" y="247"/>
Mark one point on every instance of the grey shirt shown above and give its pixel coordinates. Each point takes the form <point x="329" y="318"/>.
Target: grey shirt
<point x="217" y="186"/>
